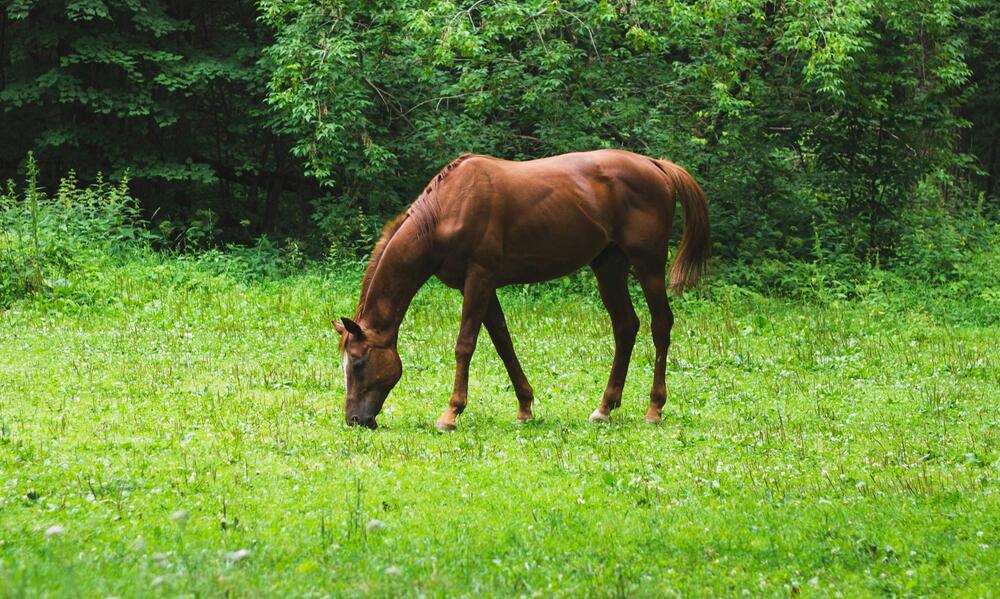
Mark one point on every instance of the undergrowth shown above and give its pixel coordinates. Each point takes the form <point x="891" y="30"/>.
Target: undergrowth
<point x="47" y="240"/>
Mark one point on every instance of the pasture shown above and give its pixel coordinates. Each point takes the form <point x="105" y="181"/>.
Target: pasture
<point x="167" y="429"/>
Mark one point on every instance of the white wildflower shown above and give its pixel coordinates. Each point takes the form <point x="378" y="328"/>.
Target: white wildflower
<point x="54" y="531"/>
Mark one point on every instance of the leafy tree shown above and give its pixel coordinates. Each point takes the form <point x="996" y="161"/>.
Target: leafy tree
<point x="171" y="91"/>
<point x="982" y="110"/>
<point x="810" y="123"/>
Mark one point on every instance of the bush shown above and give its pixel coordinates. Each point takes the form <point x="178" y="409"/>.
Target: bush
<point x="939" y="238"/>
<point x="44" y="238"/>
<point x="262" y="260"/>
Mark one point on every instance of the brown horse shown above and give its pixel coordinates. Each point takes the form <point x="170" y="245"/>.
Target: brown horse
<point x="483" y="223"/>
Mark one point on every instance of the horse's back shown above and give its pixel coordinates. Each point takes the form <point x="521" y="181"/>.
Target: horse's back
<point x="540" y="219"/>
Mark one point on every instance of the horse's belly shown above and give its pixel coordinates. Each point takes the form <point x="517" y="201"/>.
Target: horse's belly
<point x="516" y="274"/>
<point x="550" y="254"/>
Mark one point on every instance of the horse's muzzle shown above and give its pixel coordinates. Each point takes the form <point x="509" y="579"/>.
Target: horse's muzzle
<point x="366" y="421"/>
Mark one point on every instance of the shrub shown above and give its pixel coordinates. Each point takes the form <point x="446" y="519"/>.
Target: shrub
<point x="44" y="238"/>
<point x="939" y="237"/>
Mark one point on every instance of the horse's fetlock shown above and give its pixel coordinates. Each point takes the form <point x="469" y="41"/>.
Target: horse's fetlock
<point x="525" y="394"/>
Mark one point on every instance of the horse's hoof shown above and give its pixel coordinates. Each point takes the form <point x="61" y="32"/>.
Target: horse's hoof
<point x="598" y="416"/>
<point x="652" y="420"/>
<point x="444" y="427"/>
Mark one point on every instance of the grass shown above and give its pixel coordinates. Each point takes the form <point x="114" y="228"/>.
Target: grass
<point x="166" y="430"/>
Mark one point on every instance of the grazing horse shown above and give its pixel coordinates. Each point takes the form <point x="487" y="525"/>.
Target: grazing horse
<point x="483" y="223"/>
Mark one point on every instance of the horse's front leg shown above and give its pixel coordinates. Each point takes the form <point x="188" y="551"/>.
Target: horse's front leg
<point x="478" y="291"/>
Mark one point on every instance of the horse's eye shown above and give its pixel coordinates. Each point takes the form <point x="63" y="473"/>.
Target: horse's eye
<point x="358" y="365"/>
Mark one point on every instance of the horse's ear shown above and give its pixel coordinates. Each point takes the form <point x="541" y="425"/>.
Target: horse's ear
<point x="339" y="327"/>
<point x="348" y="325"/>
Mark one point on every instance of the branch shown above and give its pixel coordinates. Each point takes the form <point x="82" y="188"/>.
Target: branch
<point x="398" y="107"/>
<point x="590" y="31"/>
<point x="439" y="100"/>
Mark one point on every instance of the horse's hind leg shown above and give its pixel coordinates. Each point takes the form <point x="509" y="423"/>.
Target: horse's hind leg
<point x="496" y="326"/>
<point x="611" y="269"/>
<point x="651" y="277"/>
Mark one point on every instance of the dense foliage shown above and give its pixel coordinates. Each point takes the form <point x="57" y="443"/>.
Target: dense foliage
<point x="171" y="91"/>
<point x="57" y="245"/>
<point x="817" y="128"/>
<point x="838" y="134"/>
<point x="43" y="238"/>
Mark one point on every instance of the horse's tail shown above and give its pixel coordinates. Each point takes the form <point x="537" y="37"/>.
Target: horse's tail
<point x="696" y="245"/>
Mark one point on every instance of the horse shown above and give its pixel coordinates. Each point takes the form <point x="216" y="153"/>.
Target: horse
<point x="483" y="223"/>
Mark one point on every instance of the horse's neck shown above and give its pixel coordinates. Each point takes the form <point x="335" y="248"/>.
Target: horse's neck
<point x="404" y="267"/>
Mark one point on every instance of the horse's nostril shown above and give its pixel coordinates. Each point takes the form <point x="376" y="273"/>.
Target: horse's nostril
<point x="354" y="420"/>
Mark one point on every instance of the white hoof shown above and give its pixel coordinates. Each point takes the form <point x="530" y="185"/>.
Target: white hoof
<point x="598" y="416"/>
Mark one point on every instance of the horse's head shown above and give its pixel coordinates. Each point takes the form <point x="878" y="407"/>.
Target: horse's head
<point x="370" y="372"/>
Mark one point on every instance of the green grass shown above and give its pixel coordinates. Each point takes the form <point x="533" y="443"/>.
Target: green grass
<point x="166" y="418"/>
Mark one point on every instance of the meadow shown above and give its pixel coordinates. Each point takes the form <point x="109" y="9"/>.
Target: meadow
<point x="168" y="428"/>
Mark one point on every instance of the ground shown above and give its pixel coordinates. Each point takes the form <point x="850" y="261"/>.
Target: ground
<point x="168" y="431"/>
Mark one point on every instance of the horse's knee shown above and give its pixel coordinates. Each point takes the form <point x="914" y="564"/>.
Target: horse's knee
<point x="661" y="336"/>
<point x="661" y="328"/>
<point x="633" y="326"/>
<point x="627" y="329"/>
<point x="463" y="351"/>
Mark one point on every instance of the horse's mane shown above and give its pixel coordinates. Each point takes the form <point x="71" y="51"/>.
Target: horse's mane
<point x="423" y="211"/>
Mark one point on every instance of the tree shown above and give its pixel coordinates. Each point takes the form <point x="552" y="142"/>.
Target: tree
<point x="172" y="91"/>
<point x="809" y="123"/>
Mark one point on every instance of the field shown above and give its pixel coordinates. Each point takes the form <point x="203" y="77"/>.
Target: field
<point x="167" y="429"/>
